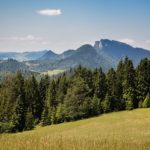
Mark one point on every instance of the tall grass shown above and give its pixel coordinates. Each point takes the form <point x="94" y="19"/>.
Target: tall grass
<point x="127" y="130"/>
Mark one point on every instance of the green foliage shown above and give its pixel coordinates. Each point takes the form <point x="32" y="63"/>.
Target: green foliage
<point x="99" y="84"/>
<point x="29" y="123"/>
<point x="76" y="99"/>
<point x="6" y="127"/>
<point x="32" y="96"/>
<point x="43" y="87"/>
<point x="45" y="118"/>
<point x="59" y="114"/>
<point x="96" y="107"/>
<point x="143" y="79"/>
<point x="129" y="100"/>
<point x="82" y="93"/>
<point x="19" y="115"/>
<point x="146" y="102"/>
<point x="107" y="104"/>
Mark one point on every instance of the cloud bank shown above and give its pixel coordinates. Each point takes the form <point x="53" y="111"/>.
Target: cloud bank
<point x="128" y="41"/>
<point x="50" y="12"/>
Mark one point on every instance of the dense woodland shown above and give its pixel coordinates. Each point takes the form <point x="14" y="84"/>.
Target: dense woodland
<point x="83" y="93"/>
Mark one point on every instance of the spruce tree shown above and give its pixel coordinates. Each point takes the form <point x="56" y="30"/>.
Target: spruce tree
<point x="146" y="102"/>
<point x="112" y="90"/>
<point x="76" y="98"/>
<point x="129" y="96"/>
<point x="29" y="121"/>
<point x="106" y="104"/>
<point x="59" y="113"/>
<point x="18" y="118"/>
<point x="96" y="107"/>
<point x="129" y="86"/>
<point x="99" y="84"/>
<point x="61" y="89"/>
<point x="119" y="81"/>
<point x="51" y="95"/>
<point x="45" y="117"/>
<point x="32" y="97"/>
<point x="143" y="79"/>
<point x="43" y="87"/>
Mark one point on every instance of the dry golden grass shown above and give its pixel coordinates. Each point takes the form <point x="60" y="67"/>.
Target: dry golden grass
<point x="127" y="130"/>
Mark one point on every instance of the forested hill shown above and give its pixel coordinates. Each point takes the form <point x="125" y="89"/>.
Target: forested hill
<point x="25" y="103"/>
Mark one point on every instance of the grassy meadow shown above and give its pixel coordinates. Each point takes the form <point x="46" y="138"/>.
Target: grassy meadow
<point x="53" y="72"/>
<point x="126" y="130"/>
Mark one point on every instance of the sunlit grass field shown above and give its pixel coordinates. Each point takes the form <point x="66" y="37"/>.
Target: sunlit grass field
<point x="127" y="130"/>
<point x="53" y="72"/>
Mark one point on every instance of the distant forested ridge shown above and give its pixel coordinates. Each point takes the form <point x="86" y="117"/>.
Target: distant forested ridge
<point x="83" y="93"/>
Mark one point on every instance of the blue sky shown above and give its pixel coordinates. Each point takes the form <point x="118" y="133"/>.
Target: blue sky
<point x="29" y="25"/>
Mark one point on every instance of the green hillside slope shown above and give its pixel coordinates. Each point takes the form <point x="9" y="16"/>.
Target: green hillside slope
<point x="127" y="130"/>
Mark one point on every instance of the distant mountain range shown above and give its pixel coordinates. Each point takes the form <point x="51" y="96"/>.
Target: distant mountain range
<point x="24" y="56"/>
<point x="104" y="53"/>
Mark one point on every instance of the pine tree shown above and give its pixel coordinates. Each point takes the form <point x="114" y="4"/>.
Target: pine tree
<point x="46" y="117"/>
<point x="111" y="82"/>
<point x="143" y="79"/>
<point x="96" y="107"/>
<point x="61" y="89"/>
<point x="146" y="102"/>
<point x="129" y="88"/>
<point x="29" y="121"/>
<point x="112" y="90"/>
<point x="51" y="95"/>
<point x="120" y="78"/>
<point x="107" y="104"/>
<point x="19" y="115"/>
<point x="129" y="96"/>
<point x="43" y="87"/>
<point x="53" y="115"/>
<point x="59" y="113"/>
<point x="32" y="97"/>
<point x="99" y="84"/>
<point x="76" y="97"/>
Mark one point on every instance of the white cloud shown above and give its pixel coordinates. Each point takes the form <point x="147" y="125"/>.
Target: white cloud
<point x="127" y="41"/>
<point x="147" y="41"/>
<point x="50" y="12"/>
<point x="21" y="38"/>
<point x="44" y="43"/>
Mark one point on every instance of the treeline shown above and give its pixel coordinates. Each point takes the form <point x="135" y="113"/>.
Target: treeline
<point x="84" y="93"/>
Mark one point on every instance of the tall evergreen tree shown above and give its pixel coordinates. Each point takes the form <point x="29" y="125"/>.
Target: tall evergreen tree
<point x="60" y="113"/>
<point x="76" y="98"/>
<point x="32" y="97"/>
<point x="46" y="116"/>
<point x="143" y="79"/>
<point x="18" y="118"/>
<point x="106" y="104"/>
<point x="99" y="84"/>
<point x="146" y="102"/>
<point x="96" y="106"/>
<point x="51" y="95"/>
<point x="129" y="88"/>
<point x="61" y="89"/>
<point x="120" y="78"/>
<point x="29" y="121"/>
<point x="43" y="87"/>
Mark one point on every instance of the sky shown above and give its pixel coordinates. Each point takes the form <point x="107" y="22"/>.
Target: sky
<point x="59" y="25"/>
